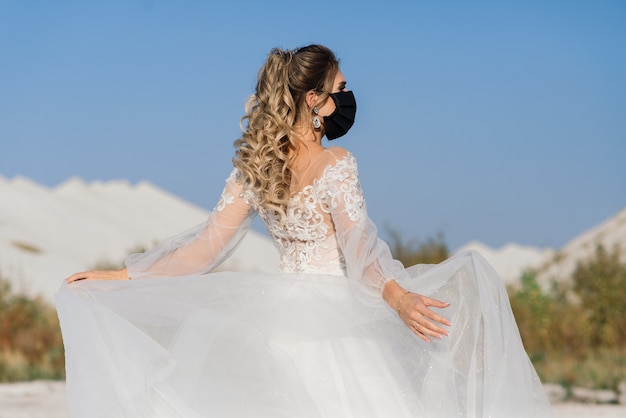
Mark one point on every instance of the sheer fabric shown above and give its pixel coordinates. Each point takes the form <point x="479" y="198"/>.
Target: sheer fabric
<point x="202" y="248"/>
<point x="315" y="340"/>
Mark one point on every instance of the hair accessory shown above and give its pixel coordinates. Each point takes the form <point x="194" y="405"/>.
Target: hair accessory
<point x="316" y="119"/>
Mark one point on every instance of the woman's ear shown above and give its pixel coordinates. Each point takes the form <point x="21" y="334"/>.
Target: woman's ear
<point x="310" y="98"/>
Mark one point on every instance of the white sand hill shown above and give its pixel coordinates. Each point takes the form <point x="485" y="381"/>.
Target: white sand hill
<point x="48" y="234"/>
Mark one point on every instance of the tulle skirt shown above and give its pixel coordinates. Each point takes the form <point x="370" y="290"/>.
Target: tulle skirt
<point x="259" y="345"/>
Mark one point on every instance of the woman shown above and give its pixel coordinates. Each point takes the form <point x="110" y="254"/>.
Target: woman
<point x="320" y="339"/>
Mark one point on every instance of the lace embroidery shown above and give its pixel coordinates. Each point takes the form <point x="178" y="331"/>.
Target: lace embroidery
<point x="306" y="240"/>
<point x="227" y="198"/>
<point x="304" y="233"/>
<point x="345" y="186"/>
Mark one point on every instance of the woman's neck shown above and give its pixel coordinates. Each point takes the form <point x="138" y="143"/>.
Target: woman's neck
<point x="306" y="135"/>
<point x="307" y="150"/>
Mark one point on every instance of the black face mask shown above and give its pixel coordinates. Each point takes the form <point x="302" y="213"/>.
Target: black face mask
<point x="341" y="120"/>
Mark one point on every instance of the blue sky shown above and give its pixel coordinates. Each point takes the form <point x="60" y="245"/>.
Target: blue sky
<point x="494" y="121"/>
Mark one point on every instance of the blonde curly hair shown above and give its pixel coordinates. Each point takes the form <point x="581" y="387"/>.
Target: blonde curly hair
<point x="262" y="154"/>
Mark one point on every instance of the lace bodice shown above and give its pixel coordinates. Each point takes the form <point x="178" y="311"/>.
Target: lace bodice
<point x="307" y="240"/>
<point x="326" y="231"/>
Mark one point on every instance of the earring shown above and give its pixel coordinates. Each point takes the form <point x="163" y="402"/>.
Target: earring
<point x="316" y="120"/>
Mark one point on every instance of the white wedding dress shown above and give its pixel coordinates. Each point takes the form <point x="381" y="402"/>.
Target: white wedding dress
<point x="314" y="340"/>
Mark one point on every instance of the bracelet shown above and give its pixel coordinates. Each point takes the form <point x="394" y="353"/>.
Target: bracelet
<point x="400" y="302"/>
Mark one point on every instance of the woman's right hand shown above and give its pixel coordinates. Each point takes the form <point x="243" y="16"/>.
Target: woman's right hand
<point x="99" y="275"/>
<point x="415" y="310"/>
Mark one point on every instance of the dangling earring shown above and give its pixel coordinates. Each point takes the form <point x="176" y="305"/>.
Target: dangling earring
<point x="316" y="120"/>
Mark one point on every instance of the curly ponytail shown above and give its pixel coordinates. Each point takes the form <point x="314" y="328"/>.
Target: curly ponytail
<point x="262" y="153"/>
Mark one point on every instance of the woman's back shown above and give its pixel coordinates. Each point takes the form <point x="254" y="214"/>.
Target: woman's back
<point x="306" y="238"/>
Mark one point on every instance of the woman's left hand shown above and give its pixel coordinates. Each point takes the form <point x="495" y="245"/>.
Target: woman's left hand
<point x="415" y="312"/>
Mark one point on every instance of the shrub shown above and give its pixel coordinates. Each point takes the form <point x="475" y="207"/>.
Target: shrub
<point x="600" y="283"/>
<point x="431" y="251"/>
<point x="575" y="334"/>
<point x="31" y="346"/>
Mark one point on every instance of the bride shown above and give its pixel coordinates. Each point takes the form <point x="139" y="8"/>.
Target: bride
<point x="342" y="330"/>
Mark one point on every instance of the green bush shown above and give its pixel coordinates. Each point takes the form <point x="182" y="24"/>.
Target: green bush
<point x="600" y="283"/>
<point x="575" y="334"/>
<point x="31" y="346"/>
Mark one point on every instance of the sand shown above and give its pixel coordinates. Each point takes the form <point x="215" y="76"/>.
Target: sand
<point x="41" y="399"/>
<point x="44" y="399"/>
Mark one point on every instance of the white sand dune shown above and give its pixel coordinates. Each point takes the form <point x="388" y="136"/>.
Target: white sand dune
<point x="511" y="260"/>
<point x="610" y="234"/>
<point x="47" y="234"/>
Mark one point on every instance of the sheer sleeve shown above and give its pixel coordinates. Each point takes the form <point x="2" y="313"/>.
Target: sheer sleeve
<point x="368" y="259"/>
<point x="203" y="247"/>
